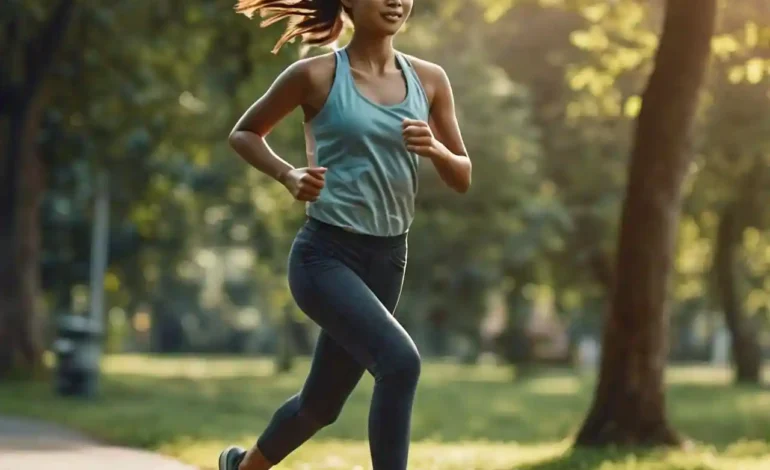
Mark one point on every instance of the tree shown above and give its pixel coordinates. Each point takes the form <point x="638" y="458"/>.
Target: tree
<point x="747" y="355"/>
<point x="23" y="92"/>
<point x="629" y="401"/>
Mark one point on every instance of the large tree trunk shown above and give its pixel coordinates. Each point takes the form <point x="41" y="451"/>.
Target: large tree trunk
<point x="22" y="92"/>
<point x="747" y="356"/>
<point x="629" y="404"/>
<point x="21" y="343"/>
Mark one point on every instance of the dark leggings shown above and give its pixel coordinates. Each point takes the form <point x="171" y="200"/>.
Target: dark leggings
<point x="349" y="284"/>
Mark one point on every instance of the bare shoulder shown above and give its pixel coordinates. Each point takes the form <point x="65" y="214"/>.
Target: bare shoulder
<point x="425" y="67"/>
<point x="317" y="74"/>
<point x="432" y="75"/>
<point x="317" y="70"/>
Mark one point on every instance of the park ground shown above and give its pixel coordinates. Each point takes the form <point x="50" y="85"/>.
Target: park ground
<point x="466" y="417"/>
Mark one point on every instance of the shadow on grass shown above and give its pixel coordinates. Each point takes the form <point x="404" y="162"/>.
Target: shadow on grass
<point x="697" y="458"/>
<point x="590" y="459"/>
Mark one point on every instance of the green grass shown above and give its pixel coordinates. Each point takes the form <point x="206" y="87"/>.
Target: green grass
<point x="465" y="417"/>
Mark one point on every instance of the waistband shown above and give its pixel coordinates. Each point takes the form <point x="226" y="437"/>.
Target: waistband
<point x="342" y="234"/>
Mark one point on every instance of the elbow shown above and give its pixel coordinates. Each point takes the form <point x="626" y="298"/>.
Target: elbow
<point x="465" y="182"/>
<point x="239" y="139"/>
<point x="234" y="139"/>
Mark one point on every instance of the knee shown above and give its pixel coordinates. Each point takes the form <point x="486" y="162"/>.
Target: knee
<point x="318" y="416"/>
<point x="405" y="365"/>
<point x="413" y="363"/>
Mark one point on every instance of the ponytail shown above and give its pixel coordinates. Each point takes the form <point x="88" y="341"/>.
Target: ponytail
<point x="317" y="22"/>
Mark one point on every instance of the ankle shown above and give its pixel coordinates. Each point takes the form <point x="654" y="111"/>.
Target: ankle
<point x="239" y="465"/>
<point x="254" y="460"/>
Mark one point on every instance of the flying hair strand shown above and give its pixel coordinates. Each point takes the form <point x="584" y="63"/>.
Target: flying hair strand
<point x="316" y="22"/>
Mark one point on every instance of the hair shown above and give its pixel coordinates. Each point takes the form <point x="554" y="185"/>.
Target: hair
<point x="317" y="22"/>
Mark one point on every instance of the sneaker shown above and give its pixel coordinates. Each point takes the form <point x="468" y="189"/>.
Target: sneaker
<point x="231" y="457"/>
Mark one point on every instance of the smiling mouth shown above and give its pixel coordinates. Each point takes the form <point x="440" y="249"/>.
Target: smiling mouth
<point x="392" y="17"/>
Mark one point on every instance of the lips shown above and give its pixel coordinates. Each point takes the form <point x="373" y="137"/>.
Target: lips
<point x="392" y="16"/>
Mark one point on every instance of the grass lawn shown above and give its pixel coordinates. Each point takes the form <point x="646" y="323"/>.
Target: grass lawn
<point x="465" y="417"/>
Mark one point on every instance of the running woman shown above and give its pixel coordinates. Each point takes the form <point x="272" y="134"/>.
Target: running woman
<point x="372" y="115"/>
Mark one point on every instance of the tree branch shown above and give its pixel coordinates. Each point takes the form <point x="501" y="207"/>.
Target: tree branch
<point x="42" y="50"/>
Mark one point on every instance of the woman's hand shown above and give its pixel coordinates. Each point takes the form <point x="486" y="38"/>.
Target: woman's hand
<point x="304" y="184"/>
<point x="419" y="138"/>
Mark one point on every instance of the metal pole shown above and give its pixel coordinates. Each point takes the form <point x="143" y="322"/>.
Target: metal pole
<point x="99" y="250"/>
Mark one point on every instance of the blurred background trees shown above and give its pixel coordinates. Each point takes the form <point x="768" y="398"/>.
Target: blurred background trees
<point x="521" y="268"/>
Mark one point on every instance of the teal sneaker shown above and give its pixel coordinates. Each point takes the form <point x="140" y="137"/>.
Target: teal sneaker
<point x="231" y="457"/>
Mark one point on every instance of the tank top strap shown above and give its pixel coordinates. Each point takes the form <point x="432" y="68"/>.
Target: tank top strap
<point x="415" y="84"/>
<point x="342" y="72"/>
<point x="342" y="63"/>
<point x="405" y="65"/>
<point x="339" y="93"/>
<point x="403" y="62"/>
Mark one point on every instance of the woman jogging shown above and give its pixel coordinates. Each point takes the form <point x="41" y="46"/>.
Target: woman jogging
<point x="372" y="115"/>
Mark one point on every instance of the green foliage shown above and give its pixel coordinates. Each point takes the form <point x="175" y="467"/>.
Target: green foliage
<point x="155" y="111"/>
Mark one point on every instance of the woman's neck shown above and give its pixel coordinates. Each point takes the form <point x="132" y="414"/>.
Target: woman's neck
<point x="375" y="55"/>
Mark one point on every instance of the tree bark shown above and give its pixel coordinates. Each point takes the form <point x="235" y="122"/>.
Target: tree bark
<point x="21" y="342"/>
<point x="747" y="355"/>
<point x="629" y="403"/>
<point x="21" y="191"/>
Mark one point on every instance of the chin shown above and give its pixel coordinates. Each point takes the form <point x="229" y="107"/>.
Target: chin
<point x="392" y="30"/>
<point x="388" y="29"/>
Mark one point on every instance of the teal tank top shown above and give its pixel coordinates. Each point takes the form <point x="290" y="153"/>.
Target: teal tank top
<point x="371" y="178"/>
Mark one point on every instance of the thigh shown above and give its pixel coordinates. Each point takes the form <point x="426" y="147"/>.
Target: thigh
<point x="346" y="308"/>
<point x="385" y="275"/>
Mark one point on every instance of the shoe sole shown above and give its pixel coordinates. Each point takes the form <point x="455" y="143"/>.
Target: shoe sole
<point x="223" y="458"/>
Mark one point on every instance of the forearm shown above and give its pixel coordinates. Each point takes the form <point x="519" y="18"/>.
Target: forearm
<point x="454" y="170"/>
<point x="256" y="152"/>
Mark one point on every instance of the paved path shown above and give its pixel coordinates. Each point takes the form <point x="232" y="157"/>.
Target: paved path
<point x="28" y="444"/>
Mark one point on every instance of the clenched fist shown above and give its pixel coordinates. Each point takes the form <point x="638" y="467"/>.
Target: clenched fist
<point x="305" y="184"/>
<point x="419" y="138"/>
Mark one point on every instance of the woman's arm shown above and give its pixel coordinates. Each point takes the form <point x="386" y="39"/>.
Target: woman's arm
<point x="248" y="136"/>
<point x="440" y="139"/>
<point x="289" y="91"/>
